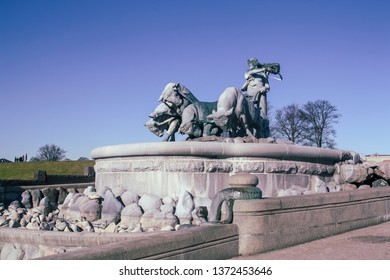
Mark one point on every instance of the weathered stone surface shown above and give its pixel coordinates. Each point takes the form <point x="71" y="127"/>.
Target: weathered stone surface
<point x="184" y="166"/>
<point x="149" y="202"/>
<point x="112" y="208"/>
<point x="131" y="215"/>
<point x="86" y="226"/>
<point x="45" y="206"/>
<point x="14" y="216"/>
<point x="147" y="219"/>
<point x="118" y="191"/>
<point x="94" y="196"/>
<point x="383" y="169"/>
<point x="333" y="186"/>
<point x="351" y="173"/>
<point x="15" y="205"/>
<point x="52" y="196"/>
<point x="255" y="166"/>
<point x="71" y="210"/>
<point x="199" y="215"/>
<point x="120" y="166"/>
<point x="147" y="165"/>
<point x="91" y="210"/>
<point x="168" y="200"/>
<point x="281" y="167"/>
<point x="348" y="187"/>
<point x="163" y="220"/>
<point x="364" y="187"/>
<point x="218" y="166"/>
<point x="68" y="199"/>
<point x="380" y="183"/>
<point x="129" y="198"/>
<point x="88" y="190"/>
<point x="317" y="185"/>
<point x="12" y="252"/>
<point x="167" y="208"/>
<point x="26" y="199"/>
<point x="295" y="190"/>
<point x="111" y="228"/>
<point x="314" y="169"/>
<point x="203" y="201"/>
<point x="61" y="225"/>
<point x="32" y="252"/>
<point x="62" y="194"/>
<point x="184" y="207"/>
<point x="33" y="225"/>
<point x="154" y="219"/>
<point x="36" y="197"/>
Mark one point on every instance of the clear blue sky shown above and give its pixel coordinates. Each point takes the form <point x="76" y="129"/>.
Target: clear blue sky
<point x="86" y="73"/>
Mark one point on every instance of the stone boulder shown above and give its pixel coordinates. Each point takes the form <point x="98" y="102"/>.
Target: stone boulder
<point x="380" y="183"/>
<point x="88" y="190"/>
<point x="111" y="207"/>
<point x="167" y="208"/>
<point x="154" y="219"/>
<point x="62" y="194"/>
<point x="383" y="170"/>
<point x="45" y="206"/>
<point x="168" y="200"/>
<point x="91" y="210"/>
<point x="353" y="173"/>
<point x="184" y="207"/>
<point x="26" y="199"/>
<point x="52" y="196"/>
<point x="348" y="187"/>
<point x="70" y="210"/>
<point x="129" y="198"/>
<point x="150" y="202"/>
<point x="131" y="216"/>
<point x="36" y="197"/>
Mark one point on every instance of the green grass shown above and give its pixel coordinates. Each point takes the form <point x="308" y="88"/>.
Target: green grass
<point x="25" y="170"/>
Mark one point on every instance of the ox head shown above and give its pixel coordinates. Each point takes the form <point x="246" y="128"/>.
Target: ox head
<point x="222" y="119"/>
<point x="161" y="110"/>
<point x="155" y="128"/>
<point x="171" y="95"/>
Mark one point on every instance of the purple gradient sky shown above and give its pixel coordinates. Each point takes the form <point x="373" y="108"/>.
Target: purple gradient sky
<point x="84" y="74"/>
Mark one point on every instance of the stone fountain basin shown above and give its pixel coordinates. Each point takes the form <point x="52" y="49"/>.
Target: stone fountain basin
<point x="203" y="168"/>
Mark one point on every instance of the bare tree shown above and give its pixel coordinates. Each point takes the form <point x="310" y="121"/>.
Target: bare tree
<point x="320" y="117"/>
<point x="50" y="153"/>
<point x="289" y="124"/>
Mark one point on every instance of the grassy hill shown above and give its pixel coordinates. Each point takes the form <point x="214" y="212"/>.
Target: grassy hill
<point x="25" y="170"/>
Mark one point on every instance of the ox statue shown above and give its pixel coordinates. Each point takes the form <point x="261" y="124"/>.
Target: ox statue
<point x="233" y="114"/>
<point x="194" y="121"/>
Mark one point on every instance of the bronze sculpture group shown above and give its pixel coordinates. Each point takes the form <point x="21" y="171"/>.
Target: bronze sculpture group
<point x="235" y="114"/>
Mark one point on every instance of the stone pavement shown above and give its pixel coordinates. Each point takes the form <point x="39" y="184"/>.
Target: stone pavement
<point x="370" y="243"/>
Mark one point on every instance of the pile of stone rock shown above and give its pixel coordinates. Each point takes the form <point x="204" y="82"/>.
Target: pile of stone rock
<point x="350" y="175"/>
<point x="57" y="210"/>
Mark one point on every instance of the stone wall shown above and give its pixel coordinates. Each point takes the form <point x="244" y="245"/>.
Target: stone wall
<point x="276" y="223"/>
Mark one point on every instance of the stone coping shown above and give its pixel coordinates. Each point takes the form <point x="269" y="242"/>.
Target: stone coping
<point x="221" y="150"/>
<point x="310" y="200"/>
<point x="209" y="241"/>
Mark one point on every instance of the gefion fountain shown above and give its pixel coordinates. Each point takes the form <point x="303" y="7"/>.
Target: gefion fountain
<point x="230" y="189"/>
